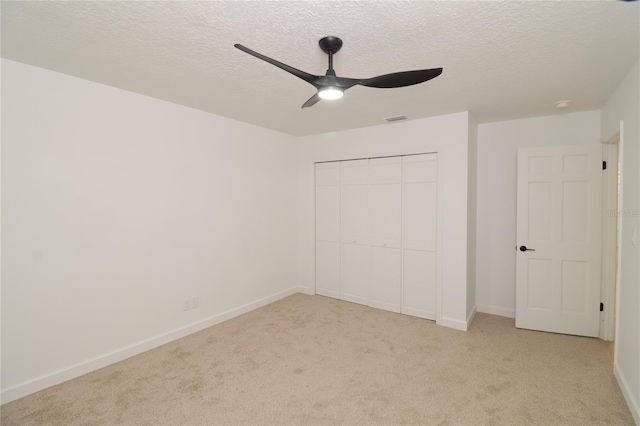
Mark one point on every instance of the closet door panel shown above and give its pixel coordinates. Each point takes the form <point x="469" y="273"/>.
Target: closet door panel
<point x="354" y="172"/>
<point x="385" y="278"/>
<point x="420" y="181"/>
<point x="420" y="168"/>
<point x="419" y="284"/>
<point x="328" y="213"/>
<point x="386" y="170"/>
<point x="385" y="215"/>
<point x="419" y="235"/>
<point x="328" y="229"/>
<point x="355" y="252"/>
<point x="385" y="229"/>
<point x="328" y="268"/>
<point x="385" y="206"/>
<point x="328" y="173"/>
<point x="420" y="226"/>
<point x="354" y="276"/>
<point x="354" y="203"/>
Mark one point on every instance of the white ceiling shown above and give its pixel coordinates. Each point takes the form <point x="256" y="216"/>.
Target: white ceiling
<point x="501" y="60"/>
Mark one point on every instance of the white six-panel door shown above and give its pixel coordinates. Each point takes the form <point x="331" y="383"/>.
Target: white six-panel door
<point x="376" y="228"/>
<point x="558" y="239"/>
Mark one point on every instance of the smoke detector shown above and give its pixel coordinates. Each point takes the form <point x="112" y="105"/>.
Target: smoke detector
<point x="563" y="104"/>
<point x="398" y="118"/>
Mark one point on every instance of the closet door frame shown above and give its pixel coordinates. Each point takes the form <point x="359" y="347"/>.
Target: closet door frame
<point x="439" y="238"/>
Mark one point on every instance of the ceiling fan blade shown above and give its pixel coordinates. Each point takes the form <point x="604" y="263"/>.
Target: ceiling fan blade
<point x="312" y="101"/>
<point x="309" y="78"/>
<point x="401" y="79"/>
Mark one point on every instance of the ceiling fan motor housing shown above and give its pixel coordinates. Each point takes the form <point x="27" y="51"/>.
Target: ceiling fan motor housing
<point x="330" y="44"/>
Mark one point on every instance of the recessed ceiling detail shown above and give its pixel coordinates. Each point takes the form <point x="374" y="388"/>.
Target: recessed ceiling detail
<point x="502" y="60"/>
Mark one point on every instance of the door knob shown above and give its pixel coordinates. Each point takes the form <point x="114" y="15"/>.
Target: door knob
<point x="524" y="248"/>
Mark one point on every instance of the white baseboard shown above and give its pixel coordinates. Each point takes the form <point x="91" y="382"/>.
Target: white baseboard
<point x="453" y="323"/>
<point x="306" y="290"/>
<point x="471" y="315"/>
<point x="634" y="406"/>
<point x="77" y="370"/>
<point x="303" y="290"/>
<point x="420" y="313"/>
<point x="497" y="310"/>
<point x="457" y="324"/>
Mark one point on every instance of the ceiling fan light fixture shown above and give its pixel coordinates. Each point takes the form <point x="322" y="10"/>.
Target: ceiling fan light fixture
<point x="330" y="93"/>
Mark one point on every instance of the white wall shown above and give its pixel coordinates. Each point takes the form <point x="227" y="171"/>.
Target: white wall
<point x="496" y="211"/>
<point x="447" y="135"/>
<point x="116" y="208"/>
<point x="624" y="105"/>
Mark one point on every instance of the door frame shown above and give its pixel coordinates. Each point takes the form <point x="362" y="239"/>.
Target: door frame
<point x="612" y="202"/>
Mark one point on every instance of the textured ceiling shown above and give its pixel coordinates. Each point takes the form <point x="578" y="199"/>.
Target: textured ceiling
<point x="501" y="60"/>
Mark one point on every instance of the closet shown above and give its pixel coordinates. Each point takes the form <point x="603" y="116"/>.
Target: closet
<point x="376" y="232"/>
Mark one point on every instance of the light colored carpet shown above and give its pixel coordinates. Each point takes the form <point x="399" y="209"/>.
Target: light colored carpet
<point x="314" y="360"/>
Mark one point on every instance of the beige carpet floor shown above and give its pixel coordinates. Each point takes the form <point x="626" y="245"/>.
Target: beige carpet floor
<point x="314" y="360"/>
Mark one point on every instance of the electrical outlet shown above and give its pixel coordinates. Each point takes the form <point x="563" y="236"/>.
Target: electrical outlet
<point x="195" y="302"/>
<point x="187" y="305"/>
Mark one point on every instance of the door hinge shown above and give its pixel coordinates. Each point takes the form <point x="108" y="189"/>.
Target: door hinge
<point x="604" y="165"/>
<point x="601" y="307"/>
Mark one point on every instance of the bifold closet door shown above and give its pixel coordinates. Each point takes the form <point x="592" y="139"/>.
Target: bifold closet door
<point x="419" y="235"/>
<point x="376" y="232"/>
<point x="355" y="256"/>
<point x="328" y="229"/>
<point x="385" y="221"/>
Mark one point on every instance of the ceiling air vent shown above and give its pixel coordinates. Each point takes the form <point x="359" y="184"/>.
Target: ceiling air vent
<point x="398" y="118"/>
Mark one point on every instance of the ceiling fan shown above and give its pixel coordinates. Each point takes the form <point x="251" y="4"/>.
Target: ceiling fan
<point x="331" y="86"/>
